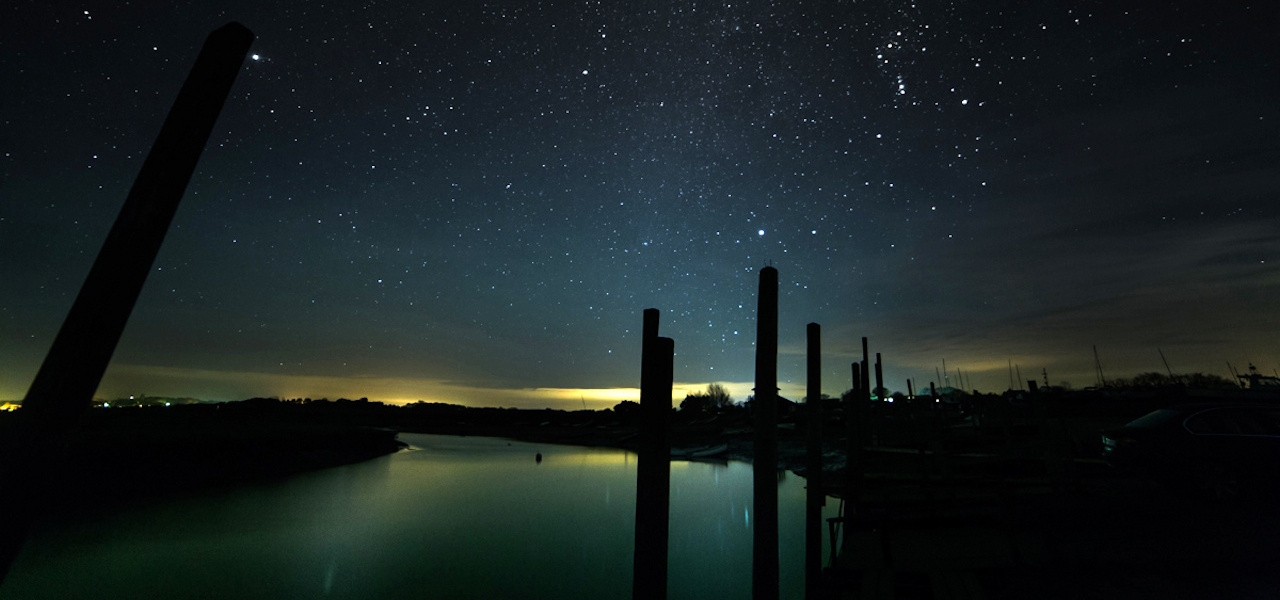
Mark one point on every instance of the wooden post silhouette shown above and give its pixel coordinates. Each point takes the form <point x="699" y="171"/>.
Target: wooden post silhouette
<point x="879" y="377"/>
<point x="866" y="372"/>
<point x="653" y="463"/>
<point x="764" y="581"/>
<point x="855" y="412"/>
<point x="815" y="496"/>
<point x="854" y="417"/>
<point x="63" y="388"/>
<point x="869" y="412"/>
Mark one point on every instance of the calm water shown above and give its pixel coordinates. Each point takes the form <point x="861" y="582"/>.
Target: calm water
<point x="451" y="518"/>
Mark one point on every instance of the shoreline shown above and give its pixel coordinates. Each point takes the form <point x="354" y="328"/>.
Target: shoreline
<point x="127" y="454"/>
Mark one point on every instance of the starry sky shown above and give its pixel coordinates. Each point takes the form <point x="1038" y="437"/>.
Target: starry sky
<point x="473" y="202"/>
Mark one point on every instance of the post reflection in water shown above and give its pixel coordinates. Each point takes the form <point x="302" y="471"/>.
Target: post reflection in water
<point x="453" y="517"/>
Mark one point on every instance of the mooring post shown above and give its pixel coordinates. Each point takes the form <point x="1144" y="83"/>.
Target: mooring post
<point x="879" y="377"/>
<point x="815" y="496"/>
<point x="653" y="463"/>
<point x="866" y="371"/>
<point x="764" y="581"/>
<point x="855" y="409"/>
<point x="854" y="417"/>
<point x="63" y="388"/>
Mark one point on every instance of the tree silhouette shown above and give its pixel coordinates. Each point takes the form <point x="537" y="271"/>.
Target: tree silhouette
<point x="720" y="397"/>
<point x="715" y="399"/>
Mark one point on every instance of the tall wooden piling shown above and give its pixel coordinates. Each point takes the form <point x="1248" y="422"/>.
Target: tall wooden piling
<point x="815" y="496"/>
<point x="653" y="463"/>
<point x="764" y="581"/>
<point x="879" y="377"/>
<point x="867" y="411"/>
<point x="63" y="388"/>
<point x="854" y="417"/>
<point x="866" y="372"/>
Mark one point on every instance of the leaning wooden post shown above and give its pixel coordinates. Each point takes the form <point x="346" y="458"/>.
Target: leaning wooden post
<point x="764" y="581"/>
<point x="815" y="496"/>
<point x="653" y="463"/>
<point x="63" y="388"/>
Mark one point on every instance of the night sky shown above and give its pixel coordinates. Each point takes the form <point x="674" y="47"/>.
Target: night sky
<point x="473" y="202"/>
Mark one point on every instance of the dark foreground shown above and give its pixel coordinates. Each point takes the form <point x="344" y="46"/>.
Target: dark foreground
<point x="1097" y="534"/>
<point x="1014" y="504"/>
<point x="116" y="457"/>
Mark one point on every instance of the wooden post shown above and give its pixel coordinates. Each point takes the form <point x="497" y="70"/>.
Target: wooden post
<point x="854" y="417"/>
<point x="815" y="496"/>
<point x="869" y="413"/>
<point x="879" y="376"/>
<point x="653" y="463"/>
<point x="63" y="388"/>
<point x="866" y="372"/>
<point x="764" y="581"/>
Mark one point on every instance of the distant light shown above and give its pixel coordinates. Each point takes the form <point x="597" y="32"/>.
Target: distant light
<point x="760" y="233"/>
<point x="106" y="405"/>
<point x="256" y="57"/>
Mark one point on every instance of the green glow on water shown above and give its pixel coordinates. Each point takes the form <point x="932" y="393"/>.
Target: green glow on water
<point x="451" y="518"/>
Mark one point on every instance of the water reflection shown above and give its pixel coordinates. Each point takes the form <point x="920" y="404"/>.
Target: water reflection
<point x="452" y="518"/>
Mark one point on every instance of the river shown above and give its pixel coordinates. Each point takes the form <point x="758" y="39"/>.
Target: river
<point x="451" y="518"/>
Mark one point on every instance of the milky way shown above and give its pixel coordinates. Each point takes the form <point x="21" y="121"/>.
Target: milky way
<point x="463" y="201"/>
